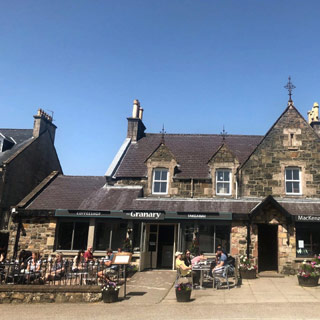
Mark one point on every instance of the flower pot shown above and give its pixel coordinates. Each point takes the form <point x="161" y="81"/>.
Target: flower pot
<point x="248" y="274"/>
<point x="109" y="296"/>
<point x="183" y="295"/>
<point x="309" y="281"/>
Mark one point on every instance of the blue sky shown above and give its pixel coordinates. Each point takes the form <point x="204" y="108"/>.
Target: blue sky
<point x="195" y="65"/>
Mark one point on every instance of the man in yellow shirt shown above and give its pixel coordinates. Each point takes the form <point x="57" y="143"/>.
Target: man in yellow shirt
<point x="184" y="270"/>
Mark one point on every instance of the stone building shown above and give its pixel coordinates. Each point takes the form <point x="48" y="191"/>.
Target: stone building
<point x="254" y="195"/>
<point x="27" y="156"/>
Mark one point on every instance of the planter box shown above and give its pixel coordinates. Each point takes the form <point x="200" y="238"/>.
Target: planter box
<point x="183" y="295"/>
<point x="308" y="282"/>
<point x="109" y="296"/>
<point x="248" y="274"/>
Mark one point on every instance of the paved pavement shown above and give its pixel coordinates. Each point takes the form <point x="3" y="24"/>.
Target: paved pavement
<point x="151" y="296"/>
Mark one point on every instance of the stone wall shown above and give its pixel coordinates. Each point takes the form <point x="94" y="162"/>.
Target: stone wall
<point x="40" y="294"/>
<point x="37" y="234"/>
<point x="291" y="142"/>
<point x="286" y="241"/>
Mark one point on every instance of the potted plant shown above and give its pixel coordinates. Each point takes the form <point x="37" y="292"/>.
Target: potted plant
<point x="246" y="268"/>
<point x="309" y="272"/>
<point x="110" y="292"/>
<point x="183" y="291"/>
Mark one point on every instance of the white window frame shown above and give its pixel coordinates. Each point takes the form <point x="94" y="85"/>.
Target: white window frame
<point x="230" y="182"/>
<point x="161" y="181"/>
<point x="292" y="181"/>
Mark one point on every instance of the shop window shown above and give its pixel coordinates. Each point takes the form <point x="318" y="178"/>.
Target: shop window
<point x="223" y="182"/>
<point x="209" y="236"/>
<point x="308" y="240"/>
<point x="160" y="181"/>
<point x="222" y="237"/>
<point x="119" y="232"/>
<point x="72" y="235"/>
<point x="102" y="235"/>
<point x="293" y="181"/>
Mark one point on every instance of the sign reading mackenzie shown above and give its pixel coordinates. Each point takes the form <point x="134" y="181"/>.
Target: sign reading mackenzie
<point x="308" y="218"/>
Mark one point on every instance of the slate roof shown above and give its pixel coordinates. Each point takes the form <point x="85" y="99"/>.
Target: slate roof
<point x="20" y="136"/>
<point x="67" y="192"/>
<point x="192" y="151"/>
<point x="91" y="193"/>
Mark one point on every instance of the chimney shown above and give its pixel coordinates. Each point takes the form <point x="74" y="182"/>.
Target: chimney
<point x="313" y="118"/>
<point x="136" y="127"/>
<point x="43" y="122"/>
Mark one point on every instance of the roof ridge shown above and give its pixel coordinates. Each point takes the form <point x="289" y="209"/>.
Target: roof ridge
<point x="206" y="134"/>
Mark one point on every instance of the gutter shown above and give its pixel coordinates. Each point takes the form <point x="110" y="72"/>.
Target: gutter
<point x="117" y="159"/>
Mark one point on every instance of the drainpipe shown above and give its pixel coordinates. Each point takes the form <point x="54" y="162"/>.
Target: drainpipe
<point x="248" y="238"/>
<point x="191" y="187"/>
<point x="16" y="243"/>
<point x="236" y="188"/>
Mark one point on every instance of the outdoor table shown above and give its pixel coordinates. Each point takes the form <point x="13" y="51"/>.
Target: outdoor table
<point x="202" y="267"/>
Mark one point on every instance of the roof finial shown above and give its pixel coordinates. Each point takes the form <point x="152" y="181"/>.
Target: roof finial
<point x="224" y="134"/>
<point x="162" y="134"/>
<point x="289" y="87"/>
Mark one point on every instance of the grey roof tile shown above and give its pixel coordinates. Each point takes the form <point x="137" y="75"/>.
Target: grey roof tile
<point x="192" y="151"/>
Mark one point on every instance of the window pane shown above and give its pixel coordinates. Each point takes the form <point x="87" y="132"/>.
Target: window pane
<point x="288" y="174"/>
<point x="157" y="174"/>
<point x="164" y="175"/>
<point x="80" y="235"/>
<point x="163" y="187"/>
<point x="296" y="188"/>
<point x="119" y="232"/>
<point x="289" y="187"/>
<point x="156" y="187"/>
<point x="223" y="237"/>
<point x="308" y="240"/>
<point x="295" y="174"/>
<point x="220" y="175"/>
<point x="65" y="235"/>
<point x="223" y="188"/>
<point x="102" y="236"/>
<point x="206" y="235"/>
<point x="226" y="175"/>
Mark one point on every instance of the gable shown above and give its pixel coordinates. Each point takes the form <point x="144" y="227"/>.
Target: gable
<point x="161" y="153"/>
<point x="290" y="142"/>
<point x="223" y="155"/>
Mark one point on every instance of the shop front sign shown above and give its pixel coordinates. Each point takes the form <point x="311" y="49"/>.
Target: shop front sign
<point x="308" y="218"/>
<point x="150" y="215"/>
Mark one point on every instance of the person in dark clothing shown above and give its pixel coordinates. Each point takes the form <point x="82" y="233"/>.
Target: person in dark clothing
<point x="187" y="259"/>
<point x="24" y="257"/>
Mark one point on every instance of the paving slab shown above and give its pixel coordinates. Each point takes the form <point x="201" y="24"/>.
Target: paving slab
<point x="148" y="287"/>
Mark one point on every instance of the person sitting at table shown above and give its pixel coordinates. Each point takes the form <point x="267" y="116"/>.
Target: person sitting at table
<point x="33" y="267"/>
<point x="88" y="255"/>
<point x="198" y="258"/>
<point x="107" y="261"/>
<point x="221" y="261"/>
<point x="195" y="261"/>
<point x="56" y="271"/>
<point x="24" y="257"/>
<point x="78" y="261"/>
<point x="184" y="270"/>
<point x="187" y="258"/>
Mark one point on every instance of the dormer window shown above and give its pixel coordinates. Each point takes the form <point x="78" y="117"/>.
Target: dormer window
<point x="293" y="181"/>
<point x="160" y="181"/>
<point x="223" y="182"/>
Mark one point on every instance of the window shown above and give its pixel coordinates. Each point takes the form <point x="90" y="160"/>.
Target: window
<point x="110" y="235"/>
<point x="160" y="181"/>
<point x="72" y="235"/>
<point x="292" y="178"/>
<point x="209" y="236"/>
<point x="102" y="236"/>
<point x="223" y="179"/>
<point x="308" y="240"/>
